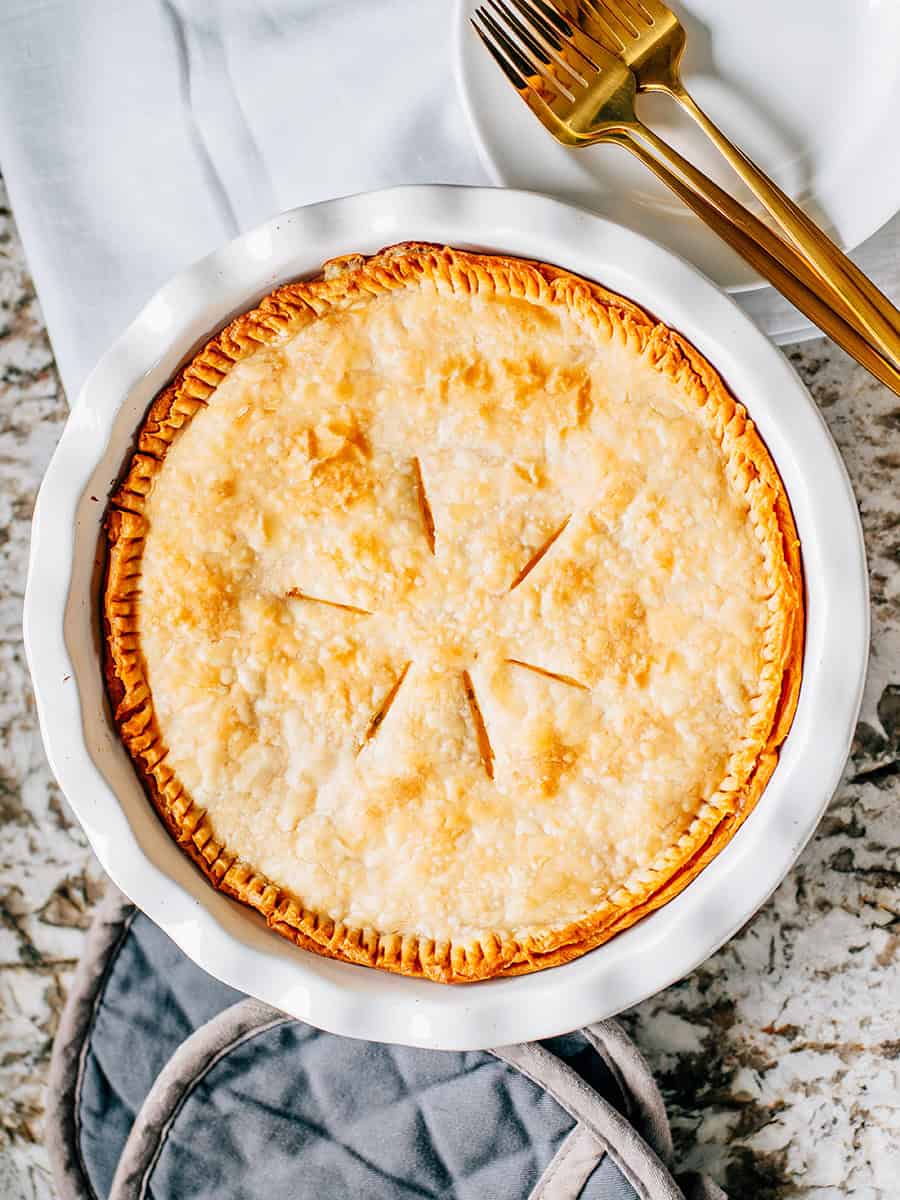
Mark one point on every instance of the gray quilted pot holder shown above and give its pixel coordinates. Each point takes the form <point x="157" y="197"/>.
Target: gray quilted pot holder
<point x="166" y="1085"/>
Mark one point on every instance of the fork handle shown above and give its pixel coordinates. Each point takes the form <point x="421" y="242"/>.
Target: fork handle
<point x="796" y="287"/>
<point x="785" y="252"/>
<point x="874" y="310"/>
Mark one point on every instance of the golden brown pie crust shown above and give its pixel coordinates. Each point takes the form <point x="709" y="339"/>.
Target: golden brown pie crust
<point x="348" y="281"/>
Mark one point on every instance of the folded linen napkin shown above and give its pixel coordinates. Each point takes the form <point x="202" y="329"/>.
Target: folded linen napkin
<point x="136" y="137"/>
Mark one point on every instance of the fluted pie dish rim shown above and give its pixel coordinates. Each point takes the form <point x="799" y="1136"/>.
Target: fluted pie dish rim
<point x="97" y="776"/>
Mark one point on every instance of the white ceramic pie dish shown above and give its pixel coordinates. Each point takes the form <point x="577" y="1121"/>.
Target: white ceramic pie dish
<point x="63" y="642"/>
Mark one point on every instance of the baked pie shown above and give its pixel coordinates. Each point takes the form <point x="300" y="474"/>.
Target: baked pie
<point x="453" y="612"/>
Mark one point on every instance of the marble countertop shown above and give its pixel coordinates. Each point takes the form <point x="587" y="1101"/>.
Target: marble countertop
<point x="779" y="1058"/>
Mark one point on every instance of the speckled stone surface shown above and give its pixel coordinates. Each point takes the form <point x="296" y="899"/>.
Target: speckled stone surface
<point x="779" y="1058"/>
<point x="48" y="879"/>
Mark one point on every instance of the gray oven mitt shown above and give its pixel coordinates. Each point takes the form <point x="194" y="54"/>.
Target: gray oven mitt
<point x="167" y="1085"/>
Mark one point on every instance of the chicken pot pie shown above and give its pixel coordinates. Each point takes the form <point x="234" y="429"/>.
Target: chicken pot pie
<point x="453" y="612"/>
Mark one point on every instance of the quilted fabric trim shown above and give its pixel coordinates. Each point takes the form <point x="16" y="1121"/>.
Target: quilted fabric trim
<point x="110" y="928"/>
<point x="750" y="471"/>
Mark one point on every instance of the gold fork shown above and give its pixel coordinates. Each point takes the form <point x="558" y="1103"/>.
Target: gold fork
<point x="583" y="94"/>
<point x="650" y="40"/>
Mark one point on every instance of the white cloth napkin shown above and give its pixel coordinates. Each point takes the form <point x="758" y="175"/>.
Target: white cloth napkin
<point x="136" y="136"/>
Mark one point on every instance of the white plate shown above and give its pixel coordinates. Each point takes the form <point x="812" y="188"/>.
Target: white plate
<point x="62" y="626"/>
<point x="810" y="90"/>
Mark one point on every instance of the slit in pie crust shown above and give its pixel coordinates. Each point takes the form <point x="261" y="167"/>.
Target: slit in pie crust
<point x="453" y="612"/>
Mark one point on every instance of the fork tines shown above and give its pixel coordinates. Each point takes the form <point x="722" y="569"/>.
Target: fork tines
<point x="620" y="22"/>
<point x="528" y="37"/>
<point x="634" y="14"/>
